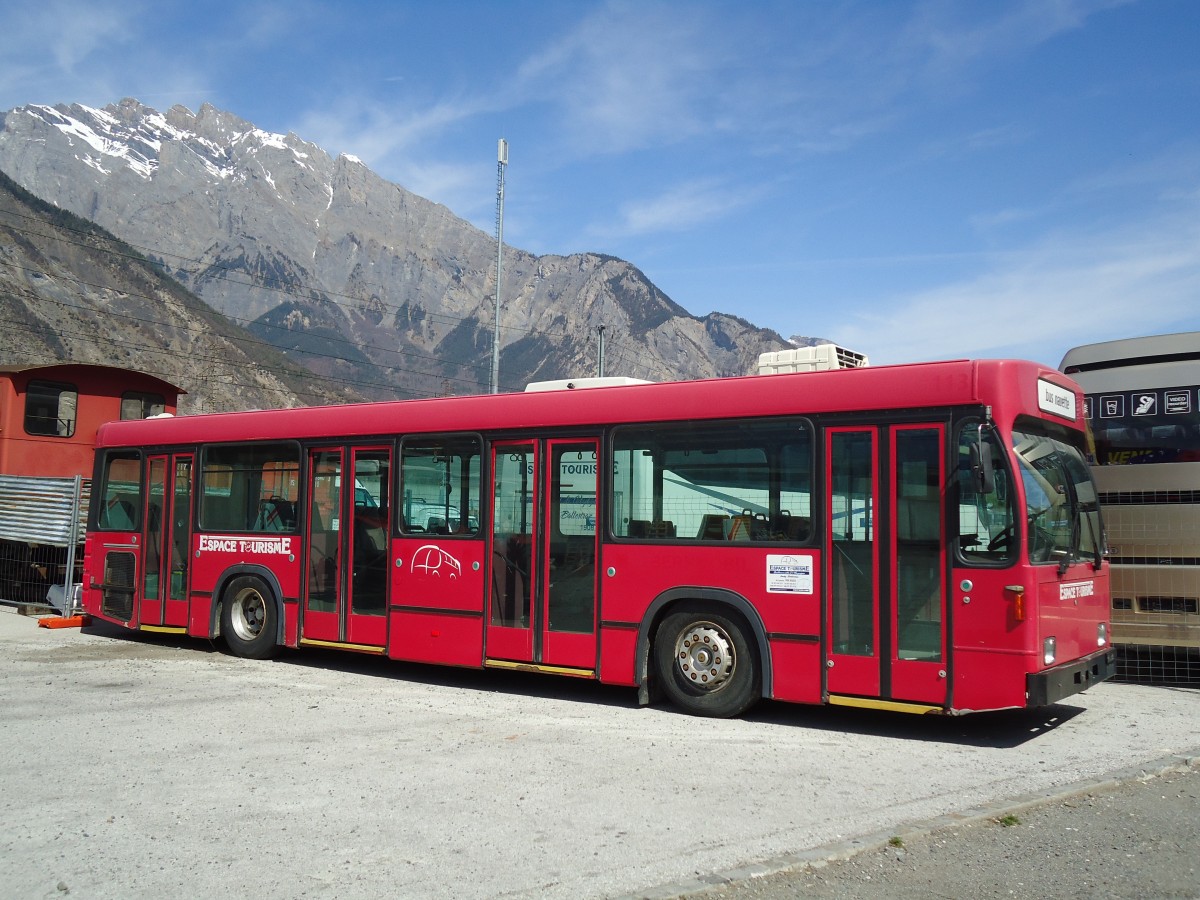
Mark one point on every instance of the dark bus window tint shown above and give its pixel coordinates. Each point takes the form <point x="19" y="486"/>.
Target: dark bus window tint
<point x="1158" y="425"/>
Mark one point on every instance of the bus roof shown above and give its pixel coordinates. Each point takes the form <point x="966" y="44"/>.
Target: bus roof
<point x="1136" y="351"/>
<point x="937" y="384"/>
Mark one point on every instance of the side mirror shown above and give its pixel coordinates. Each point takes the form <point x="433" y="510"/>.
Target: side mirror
<point x="983" y="475"/>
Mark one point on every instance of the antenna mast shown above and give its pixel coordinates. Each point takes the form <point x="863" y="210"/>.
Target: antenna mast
<point x="501" y="162"/>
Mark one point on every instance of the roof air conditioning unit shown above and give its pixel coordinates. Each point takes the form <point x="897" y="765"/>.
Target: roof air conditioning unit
<point x="821" y="358"/>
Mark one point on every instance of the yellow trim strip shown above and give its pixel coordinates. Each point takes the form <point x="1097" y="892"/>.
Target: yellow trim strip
<point x="338" y="645"/>
<point x="163" y="629"/>
<point x="535" y="667"/>
<point x="891" y="705"/>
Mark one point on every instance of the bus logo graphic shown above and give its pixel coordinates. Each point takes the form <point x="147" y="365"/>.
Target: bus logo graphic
<point x="1176" y="402"/>
<point x="1112" y="406"/>
<point x="433" y="560"/>
<point x="1076" y="589"/>
<point x="1146" y="404"/>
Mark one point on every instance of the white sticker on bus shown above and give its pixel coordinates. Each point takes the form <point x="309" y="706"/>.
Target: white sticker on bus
<point x="216" y="543"/>
<point x="789" y="574"/>
<point x="1074" y="590"/>
<point x="1055" y="399"/>
<point x="430" y="559"/>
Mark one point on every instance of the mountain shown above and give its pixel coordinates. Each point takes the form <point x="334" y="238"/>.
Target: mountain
<point x="70" y="291"/>
<point x="349" y="275"/>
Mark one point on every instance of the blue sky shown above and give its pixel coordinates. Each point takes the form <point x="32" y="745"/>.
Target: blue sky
<point x="914" y="180"/>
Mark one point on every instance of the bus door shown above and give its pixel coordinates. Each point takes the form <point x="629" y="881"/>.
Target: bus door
<point x="168" y="537"/>
<point x="345" y="597"/>
<point x="886" y="597"/>
<point x="543" y="548"/>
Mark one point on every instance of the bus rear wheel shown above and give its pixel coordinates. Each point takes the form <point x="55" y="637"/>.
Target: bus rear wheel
<point x="705" y="664"/>
<point x="248" y="618"/>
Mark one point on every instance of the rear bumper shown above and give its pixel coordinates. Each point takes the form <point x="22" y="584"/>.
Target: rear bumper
<point x="1052" y="685"/>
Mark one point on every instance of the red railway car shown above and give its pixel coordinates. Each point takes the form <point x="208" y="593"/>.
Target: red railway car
<point x="49" y="415"/>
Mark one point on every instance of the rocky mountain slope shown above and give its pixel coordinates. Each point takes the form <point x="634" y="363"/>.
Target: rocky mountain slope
<point x="351" y="276"/>
<point x="71" y="291"/>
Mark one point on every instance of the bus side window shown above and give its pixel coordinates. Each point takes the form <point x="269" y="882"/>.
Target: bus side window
<point x="118" y="514"/>
<point x="440" y="485"/>
<point x="987" y="530"/>
<point x="713" y="481"/>
<point x="120" y="493"/>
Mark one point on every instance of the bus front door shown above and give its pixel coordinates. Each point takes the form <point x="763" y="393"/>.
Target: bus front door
<point x="886" y="569"/>
<point x="345" y="598"/>
<point x="167" y="518"/>
<point x="543" y="550"/>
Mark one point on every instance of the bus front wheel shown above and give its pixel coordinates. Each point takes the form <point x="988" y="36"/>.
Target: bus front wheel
<point x="248" y="618"/>
<point x="705" y="664"/>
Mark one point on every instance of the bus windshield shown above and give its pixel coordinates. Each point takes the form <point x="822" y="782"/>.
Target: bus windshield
<point x="1061" y="507"/>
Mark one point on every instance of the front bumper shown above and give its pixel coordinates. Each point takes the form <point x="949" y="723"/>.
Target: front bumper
<point x="1052" y="685"/>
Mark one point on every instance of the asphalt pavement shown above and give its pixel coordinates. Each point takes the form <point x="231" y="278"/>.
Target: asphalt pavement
<point x="1134" y="837"/>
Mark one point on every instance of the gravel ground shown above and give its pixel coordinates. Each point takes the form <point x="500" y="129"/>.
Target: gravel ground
<point x="1136" y="839"/>
<point x="143" y="766"/>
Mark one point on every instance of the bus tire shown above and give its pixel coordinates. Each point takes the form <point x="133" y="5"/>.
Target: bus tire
<point x="249" y="618"/>
<point x="705" y="664"/>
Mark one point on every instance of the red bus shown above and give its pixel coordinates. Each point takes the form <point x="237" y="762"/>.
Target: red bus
<point x="922" y="538"/>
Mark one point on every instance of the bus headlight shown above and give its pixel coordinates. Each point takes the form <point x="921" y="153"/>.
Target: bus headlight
<point x="1049" y="651"/>
<point x="1101" y="634"/>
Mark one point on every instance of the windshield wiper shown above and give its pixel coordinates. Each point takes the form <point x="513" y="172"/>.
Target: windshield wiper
<point x="1096" y="555"/>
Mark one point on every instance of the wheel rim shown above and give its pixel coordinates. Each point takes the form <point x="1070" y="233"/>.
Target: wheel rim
<point x="249" y="614"/>
<point x="704" y="656"/>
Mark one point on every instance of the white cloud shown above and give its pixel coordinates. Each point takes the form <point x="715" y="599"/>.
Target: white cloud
<point x="397" y="144"/>
<point x="629" y="75"/>
<point x="680" y="208"/>
<point x="53" y="50"/>
<point x="1066" y="290"/>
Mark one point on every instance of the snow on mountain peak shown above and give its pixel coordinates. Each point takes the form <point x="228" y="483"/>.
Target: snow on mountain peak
<point x="132" y="135"/>
<point x="101" y="134"/>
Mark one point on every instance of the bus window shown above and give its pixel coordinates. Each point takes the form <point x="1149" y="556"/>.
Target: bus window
<point x="987" y="527"/>
<point x="249" y="488"/>
<point x="439" y="483"/>
<point x="121" y="492"/>
<point x="713" y="482"/>
<point x="1060" y="500"/>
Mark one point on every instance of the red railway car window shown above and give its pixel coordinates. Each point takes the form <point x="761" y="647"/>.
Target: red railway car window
<point x="50" y="408"/>
<point x="139" y="405"/>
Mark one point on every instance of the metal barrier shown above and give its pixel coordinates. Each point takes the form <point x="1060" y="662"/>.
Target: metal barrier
<point x="41" y="539"/>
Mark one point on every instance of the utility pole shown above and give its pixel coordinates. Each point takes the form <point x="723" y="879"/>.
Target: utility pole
<point x="501" y="162"/>
<point x="600" y="351"/>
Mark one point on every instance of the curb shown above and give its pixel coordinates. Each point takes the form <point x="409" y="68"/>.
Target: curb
<point x="819" y="857"/>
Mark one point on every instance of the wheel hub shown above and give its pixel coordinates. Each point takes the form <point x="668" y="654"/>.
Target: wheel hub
<point x="704" y="654"/>
<point x="251" y="612"/>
